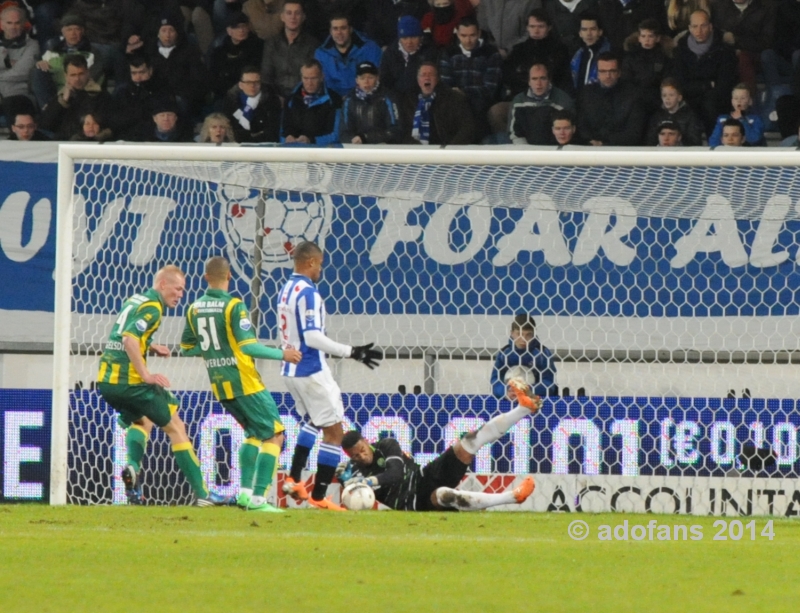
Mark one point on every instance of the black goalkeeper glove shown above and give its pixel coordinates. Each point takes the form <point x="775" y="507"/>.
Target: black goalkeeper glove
<point x="367" y="355"/>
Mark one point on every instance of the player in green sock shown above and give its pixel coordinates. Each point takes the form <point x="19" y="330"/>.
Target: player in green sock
<point x="140" y="397"/>
<point x="218" y="328"/>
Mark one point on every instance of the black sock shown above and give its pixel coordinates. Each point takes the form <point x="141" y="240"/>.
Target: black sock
<point x="299" y="461"/>
<point x="322" y="481"/>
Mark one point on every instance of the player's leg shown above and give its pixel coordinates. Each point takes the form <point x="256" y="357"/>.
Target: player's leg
<point x="323" y="398"/>
<point x="306" y="438"/>
<point x="449" y="498"/>
<point x="163" y="411"/>
<point x="248" y="450"/>
<point x="127" y="401"/>
<point x="260" y="414"/>
<point x="496" y="427"/>
<point x="327" y="460"/>
<point x="136" y="436"/>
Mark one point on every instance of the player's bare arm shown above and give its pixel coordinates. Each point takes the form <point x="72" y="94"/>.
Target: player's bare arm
<point x="131" y="346"/>
<point x="161" y="351"/>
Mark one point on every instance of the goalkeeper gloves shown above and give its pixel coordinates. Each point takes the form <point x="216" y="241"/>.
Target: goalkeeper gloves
<point x="370" y="481"/>
<point x="344" y="471"/>
<point x="367" y="355"/>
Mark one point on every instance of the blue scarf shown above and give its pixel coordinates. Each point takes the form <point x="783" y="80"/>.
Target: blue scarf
<point x="309" y="99"/>
<point x="247" y="111"/>
<point x="422" y="119"/>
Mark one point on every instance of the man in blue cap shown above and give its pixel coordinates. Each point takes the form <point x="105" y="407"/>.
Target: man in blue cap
<point x="402" y="59"/>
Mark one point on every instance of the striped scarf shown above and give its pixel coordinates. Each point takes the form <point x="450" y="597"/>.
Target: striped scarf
<point x="422" y="119"/>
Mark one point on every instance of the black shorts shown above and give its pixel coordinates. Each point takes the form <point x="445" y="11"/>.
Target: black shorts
<point x="445" y="471"/>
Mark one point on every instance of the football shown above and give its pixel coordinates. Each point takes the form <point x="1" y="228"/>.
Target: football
<point x="358" y="497"/>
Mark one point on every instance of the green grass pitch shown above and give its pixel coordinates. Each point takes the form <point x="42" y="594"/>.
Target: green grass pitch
<point x="159" y="560"/>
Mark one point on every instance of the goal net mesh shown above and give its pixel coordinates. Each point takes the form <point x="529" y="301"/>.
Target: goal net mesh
<point x="668" y="296"/>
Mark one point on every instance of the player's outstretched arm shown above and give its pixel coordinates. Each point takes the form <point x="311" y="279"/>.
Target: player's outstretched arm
<point x="367" y="355"/>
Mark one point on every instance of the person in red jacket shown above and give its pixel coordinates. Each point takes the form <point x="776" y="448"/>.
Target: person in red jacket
<point x="441" y="21"/>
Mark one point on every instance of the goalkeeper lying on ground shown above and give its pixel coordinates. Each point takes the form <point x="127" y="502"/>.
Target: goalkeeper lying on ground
<point x="401" y="484"/>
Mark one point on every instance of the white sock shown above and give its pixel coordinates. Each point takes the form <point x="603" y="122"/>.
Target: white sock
<point x="472" y="501"/>
<point x="257" y="501"/>
<point x="246" y="490"/>
<point x="493" y="429"/>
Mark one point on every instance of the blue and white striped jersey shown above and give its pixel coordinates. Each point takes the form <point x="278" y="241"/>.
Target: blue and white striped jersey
<point x="300" y="310"/>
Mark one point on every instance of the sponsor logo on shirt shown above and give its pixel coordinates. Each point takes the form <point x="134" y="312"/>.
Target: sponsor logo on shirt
<point x="245" y="324"/>
<point x="310" y="315"/>
<point x="141" y="325"/>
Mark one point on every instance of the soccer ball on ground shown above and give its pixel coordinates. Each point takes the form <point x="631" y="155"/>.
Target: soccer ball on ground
<point x="358" y="497"/>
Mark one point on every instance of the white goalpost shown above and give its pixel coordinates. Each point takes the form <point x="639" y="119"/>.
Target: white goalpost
<point x="664" y="282"/>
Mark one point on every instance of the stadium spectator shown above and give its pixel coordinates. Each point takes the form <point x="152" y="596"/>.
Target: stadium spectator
<point x="220" y="11"/>
<point x="166" y="125"/>
<point x="311" y="114"/>
<point x="288" y="50"/>
<point x="792" y="141"/>
<point x="583" y="65"/>
<point x="669" y="134"/>
<point x="197" y="17"/>
<point x="674" y="108"/>
<point x="621" y="18"/>
<point x="647" y="63"/>
<point x="24" y="127"/>
<point x="566" y="15"/>
<point x="254" y="111"/>
<point x="265" y="17"/>
<point x="109" y="25"/>
<point x="45" y="18"/>
<point x="524" y="357"/>
<point x="749" y="27"/>
<point x="239" y="47"/>
<point x="609" y="111"/>
<point x="401" y="484"/>
<point x="79" y="96"/>
<point x="369" y="114"/>
<point x="342" y="52"/>
<point x="177" y="63"/>
<point x="443" y="18"/>
<point x="382" y="17"/>
<point x="133" y="99"/>
<point x="216" y="129"/>
<point x="48" y="77"/>
<point x="400" y="61"/>
<point x="741" y="103"/>
<point x="504" y="21"/>
<point x="679" y="12"/>
<point x="473" y="67"/>
<point x="733" y="134"/>
<point x="436" y="114"/>
<point x="706" y="69"/>
<point x="787" y="108"/>
<point x="18" y="53"/>
<point x="564" y="129"/>
<point x="778" y="61"/>
<point x="532" y="111"/>
<point x="91" y="130"/>
<point x="542" y="46"/>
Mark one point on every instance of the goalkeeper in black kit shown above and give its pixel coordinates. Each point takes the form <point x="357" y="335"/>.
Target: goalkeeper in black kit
<point x="401" y="484"/>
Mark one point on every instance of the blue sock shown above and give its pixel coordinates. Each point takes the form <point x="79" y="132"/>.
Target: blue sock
<point x="305" y="441"/>
<point x="327" y="461"/>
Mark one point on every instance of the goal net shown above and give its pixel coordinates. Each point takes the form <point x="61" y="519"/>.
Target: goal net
<point x="665" y="285"/>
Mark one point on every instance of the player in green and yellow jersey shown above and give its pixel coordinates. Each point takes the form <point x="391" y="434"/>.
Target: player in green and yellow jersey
<point x="218" y="327"/>
<point x="139" y="396"/>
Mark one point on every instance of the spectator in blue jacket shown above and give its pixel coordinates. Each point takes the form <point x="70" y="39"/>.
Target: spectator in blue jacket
<point x="584" y="63"/>
<point x="312" y="111"/>
<point x="525" y="356"/>
<point x="741" y="103"/>
<point x="342" y="52"/>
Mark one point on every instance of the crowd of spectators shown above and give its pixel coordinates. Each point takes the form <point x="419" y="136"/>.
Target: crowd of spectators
<point x="538" y="72"/>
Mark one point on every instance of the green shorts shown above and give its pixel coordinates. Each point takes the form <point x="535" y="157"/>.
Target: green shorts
<point x="257" y="414"/>
<point x="133" y="402"/>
